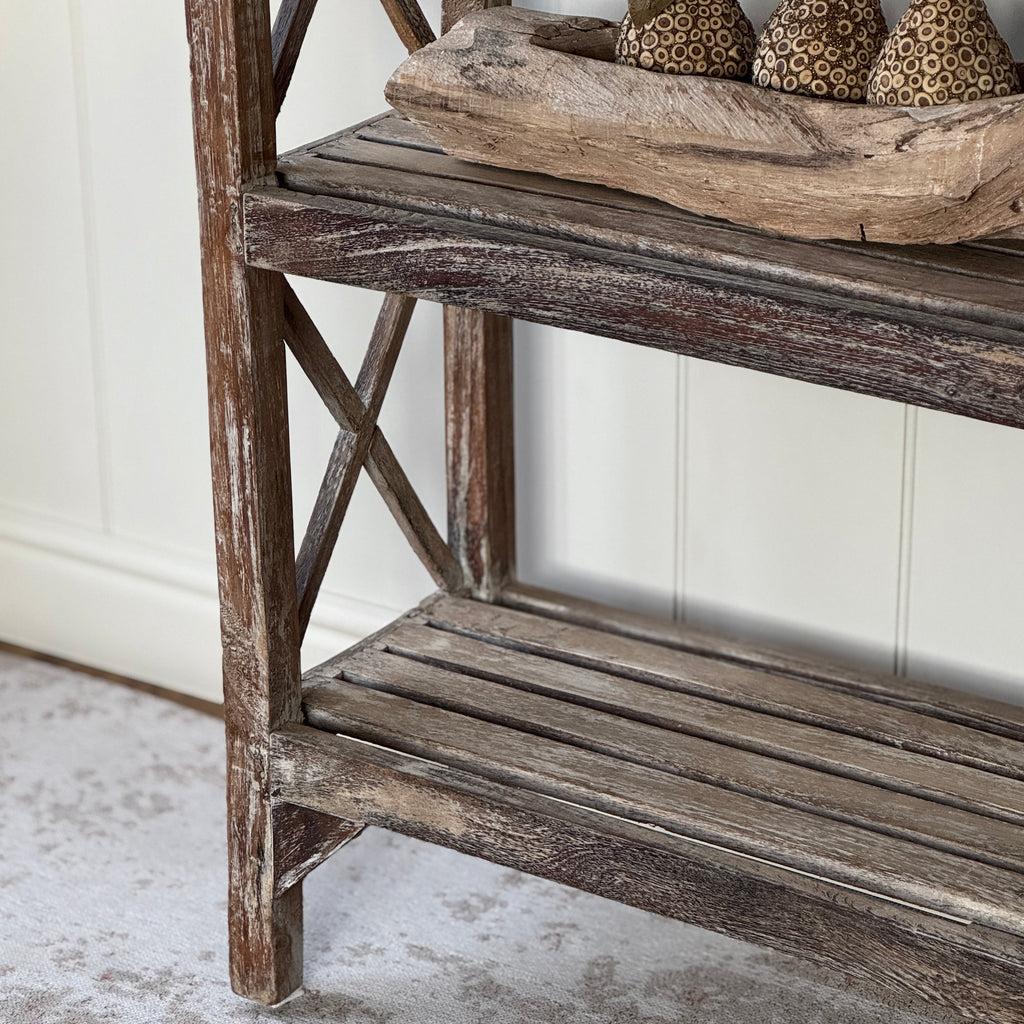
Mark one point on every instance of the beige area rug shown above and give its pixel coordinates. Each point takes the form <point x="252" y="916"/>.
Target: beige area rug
<point x="112" y="908"/>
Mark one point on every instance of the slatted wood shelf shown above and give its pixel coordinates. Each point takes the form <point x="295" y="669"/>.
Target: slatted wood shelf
<point x="769" y="778"/>
<point x="379" y="206"/>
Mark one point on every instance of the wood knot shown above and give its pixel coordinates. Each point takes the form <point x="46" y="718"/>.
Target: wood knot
<point x="549" y="31"/>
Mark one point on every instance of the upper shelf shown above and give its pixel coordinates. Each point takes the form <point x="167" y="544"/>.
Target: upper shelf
<point x="381" y="207"/>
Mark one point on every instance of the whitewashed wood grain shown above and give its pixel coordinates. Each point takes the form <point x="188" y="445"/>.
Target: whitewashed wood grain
<point x="339" y="80"/>
<point x="150" y="355"/>
<point x="966" y="600"/>
<point x="596" y="467"/>
<point x="792" y="512"/>
<point x="49" y="452"/>
<point x="373" y="562"/>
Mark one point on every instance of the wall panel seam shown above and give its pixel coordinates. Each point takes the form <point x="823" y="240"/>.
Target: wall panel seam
<point x="90" y="232"/>
<point x="906" y="540"/>
<point x="681" y="462"/>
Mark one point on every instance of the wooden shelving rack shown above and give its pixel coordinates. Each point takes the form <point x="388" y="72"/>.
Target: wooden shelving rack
<point x="868" y="823"/>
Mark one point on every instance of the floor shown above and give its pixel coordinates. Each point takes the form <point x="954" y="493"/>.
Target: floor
<point x="112" y="903"/>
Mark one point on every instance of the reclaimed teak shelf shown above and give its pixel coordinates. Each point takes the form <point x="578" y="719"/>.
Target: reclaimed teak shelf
<point x="871" y="824"/>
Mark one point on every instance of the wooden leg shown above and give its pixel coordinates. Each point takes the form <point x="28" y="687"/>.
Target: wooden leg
<point x="264" y="929"/>
<point x="259" y="628"/>
<point x="233" y="112"/>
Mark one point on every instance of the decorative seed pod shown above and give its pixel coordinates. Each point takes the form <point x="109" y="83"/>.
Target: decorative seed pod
<point x="689" y="37"/>
<point x="943" y="51"/>
<point x="821" y="47"/>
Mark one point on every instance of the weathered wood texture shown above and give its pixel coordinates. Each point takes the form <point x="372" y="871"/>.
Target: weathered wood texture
<point x="304" y="839"/>
<point x="343" y="402"/>
<point x="479" y="424"/>
<point x="656" y="733"/>
<point x="350" y="451"/>
<point x="410" y="23"/>
<point x="885" y="345"/>
<point x="233" y="110"/>
<point x="453" y="11"/>
<point x="976" y="972"/>
<point x="865" y="718"/>
<point x="940" y="702"/>
<point x="776" y="161"/>
<point x="752" y="761"/>
<point x="478" y="404"/>
<point x="585" y="37"/>
<point x="290" y="25"/>
<point x="624" y="221"/>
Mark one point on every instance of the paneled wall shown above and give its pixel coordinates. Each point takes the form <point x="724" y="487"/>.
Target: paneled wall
<point x="763" y="507"/>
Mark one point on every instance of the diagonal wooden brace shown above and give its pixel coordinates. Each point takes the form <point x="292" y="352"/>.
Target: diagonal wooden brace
<point x="303" y="840"/>
<point x="290" y="25"/>
<point x="292" y="22"/>
<point x="409" y="22"/>
<point x="332" y="384"/>
<point x="350" y="451"/>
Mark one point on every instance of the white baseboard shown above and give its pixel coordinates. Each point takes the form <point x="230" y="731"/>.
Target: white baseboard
<point x="134" y="609"/>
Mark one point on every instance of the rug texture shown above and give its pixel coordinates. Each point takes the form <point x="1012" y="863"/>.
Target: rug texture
<point x="112" y="903"/>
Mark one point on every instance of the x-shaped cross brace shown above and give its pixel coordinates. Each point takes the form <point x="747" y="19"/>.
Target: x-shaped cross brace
<point x="360" y="442"/>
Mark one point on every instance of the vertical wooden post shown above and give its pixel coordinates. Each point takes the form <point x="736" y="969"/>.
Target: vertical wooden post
<point x="481" y="493"/>
<point x="481" y="452"/>
<point x="233" y="110"/>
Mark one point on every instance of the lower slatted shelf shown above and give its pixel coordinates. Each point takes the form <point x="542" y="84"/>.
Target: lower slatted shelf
<point x="647" y="762"/>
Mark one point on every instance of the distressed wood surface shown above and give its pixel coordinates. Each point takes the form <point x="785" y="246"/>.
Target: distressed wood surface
<point x="538" y="697"/>
<point x="303" y="840"/>
<point x="865" y="345"/>
<point x="776" y="161"/>
<point x="390" y="160"/>
<point x="453" y="11"/>
<point x="903" y="732"/>
<point x="630" y="757"/>
<point x="940" y="702"/>
<point x="233" y="112"/>
<point x="976" y="972"/>
<point x="480" y="455"/>
<point x="343" y="402"/>
<point x="289" y="33"/>
<point x="410" y="23"/>
<point x="350" y="452"/>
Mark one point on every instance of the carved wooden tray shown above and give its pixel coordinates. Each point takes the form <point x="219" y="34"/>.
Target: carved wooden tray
<point x="532" y="91"/>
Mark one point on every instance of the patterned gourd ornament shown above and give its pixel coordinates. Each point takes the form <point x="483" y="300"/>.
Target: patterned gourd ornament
<point x="688" y="37"/>
<point x="943" y="51"/>
<point x="821" y="47"/>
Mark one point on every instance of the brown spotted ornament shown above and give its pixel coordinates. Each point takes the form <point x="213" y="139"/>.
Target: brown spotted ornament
<point x="821" y="48"/>
<point x="689" y="37"/>
<point x="943" y="51"/>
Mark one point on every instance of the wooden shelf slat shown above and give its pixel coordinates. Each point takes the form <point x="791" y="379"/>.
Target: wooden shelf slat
<point x="594" y="719"/>
<point x="941" y="327"/>
<point x="787" y="701"/>
<point x="624" y="732"/>
<point x="916" y="953"/>
<point x="943" y="702"/>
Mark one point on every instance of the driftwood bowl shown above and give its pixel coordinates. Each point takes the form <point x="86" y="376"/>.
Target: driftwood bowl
<point x="532" y="91"/>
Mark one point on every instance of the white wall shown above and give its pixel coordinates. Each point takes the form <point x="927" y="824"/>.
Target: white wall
<point x="761" y="506"/>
